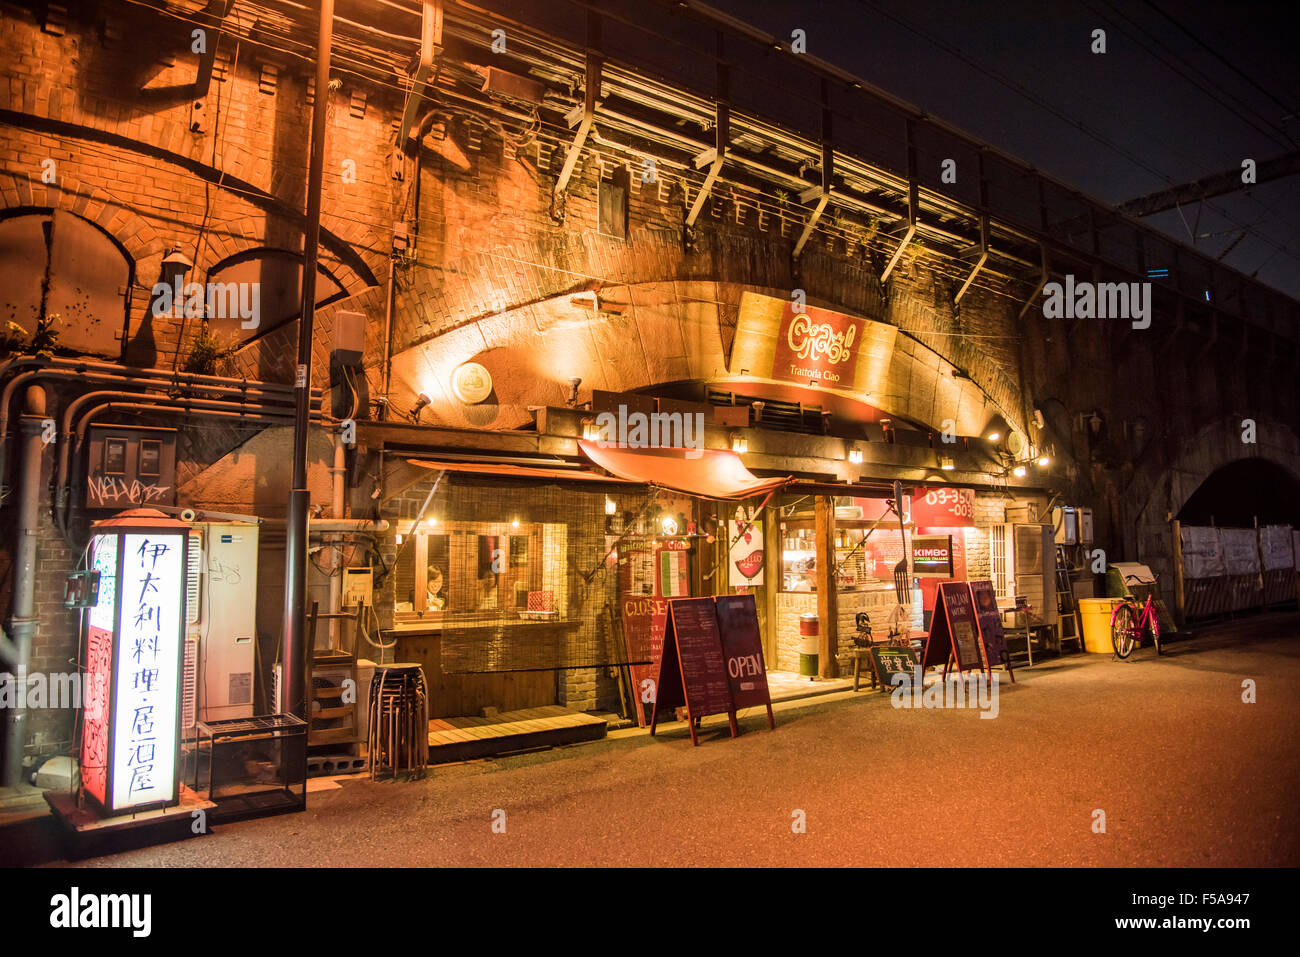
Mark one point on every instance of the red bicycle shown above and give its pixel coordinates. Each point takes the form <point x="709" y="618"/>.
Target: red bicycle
<point x="1129" y="624"/>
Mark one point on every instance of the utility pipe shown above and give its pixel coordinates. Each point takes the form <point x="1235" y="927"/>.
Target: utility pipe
<point x="23" y="621"/>
<point x="75" y="406"/>
<point x="294" y="648"/>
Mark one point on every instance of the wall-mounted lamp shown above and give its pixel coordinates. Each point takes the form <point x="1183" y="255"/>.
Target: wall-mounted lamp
<point x="1020" y="471"/>
<point x="1044" y="460"/>
<point x="887" y="426"/>
<point x="610" y="507"/>
<point x="996" y="430"/>
<point x="758" y="405"/>
<point x="590" y="430"/>
<point x="420" y="404"/>
<point x="739" y="444"/>
<point x="946" y="463"/>
<point x="574" y="382"/>
<point x="855" y="455"/>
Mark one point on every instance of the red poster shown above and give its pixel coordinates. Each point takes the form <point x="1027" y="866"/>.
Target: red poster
<point x="817" y="346"/>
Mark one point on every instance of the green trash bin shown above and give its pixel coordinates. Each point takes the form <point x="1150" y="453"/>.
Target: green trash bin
<point x="808" y="645"/>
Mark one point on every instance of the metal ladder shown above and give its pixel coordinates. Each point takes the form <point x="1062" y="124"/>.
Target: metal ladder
<point x="1067" y="610"/>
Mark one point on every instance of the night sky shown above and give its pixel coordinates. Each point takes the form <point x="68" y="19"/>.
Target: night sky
<point x="1148" y="124"/>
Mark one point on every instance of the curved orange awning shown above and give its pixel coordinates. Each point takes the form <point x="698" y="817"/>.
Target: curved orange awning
<point x="709" y="473"/>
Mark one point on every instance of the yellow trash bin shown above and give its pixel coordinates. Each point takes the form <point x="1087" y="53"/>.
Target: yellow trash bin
<point x="1094" y="615"/>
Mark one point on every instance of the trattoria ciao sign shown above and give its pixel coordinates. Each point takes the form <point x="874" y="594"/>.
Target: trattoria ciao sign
<point x="811" y="341"/>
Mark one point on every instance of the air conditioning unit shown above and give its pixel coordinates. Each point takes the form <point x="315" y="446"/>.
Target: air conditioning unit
<point x="221" y="617"/>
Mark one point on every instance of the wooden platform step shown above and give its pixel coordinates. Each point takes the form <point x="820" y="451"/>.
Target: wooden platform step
<point x="463" y="739"/>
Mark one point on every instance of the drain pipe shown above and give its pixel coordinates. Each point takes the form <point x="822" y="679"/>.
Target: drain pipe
<point x="23" y="621"/>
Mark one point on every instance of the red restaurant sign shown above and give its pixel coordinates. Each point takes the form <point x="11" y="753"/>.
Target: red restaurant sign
<point x="814" y="345"/>
<point x="944" y="508"/>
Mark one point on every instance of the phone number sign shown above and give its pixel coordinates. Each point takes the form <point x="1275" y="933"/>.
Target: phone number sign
<point x="944" y="508"/>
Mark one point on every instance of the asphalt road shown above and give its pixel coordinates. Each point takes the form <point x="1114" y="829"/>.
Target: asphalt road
<point x="1186" y="773"/>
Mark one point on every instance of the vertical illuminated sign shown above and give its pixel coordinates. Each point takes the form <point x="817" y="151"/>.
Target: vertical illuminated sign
<point x="131" y="723"/>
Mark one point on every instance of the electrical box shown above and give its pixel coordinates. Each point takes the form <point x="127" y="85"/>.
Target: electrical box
<point x="221" y="616"/>
<point x="1085" y="526"/>
<point x="1065" y="522"/>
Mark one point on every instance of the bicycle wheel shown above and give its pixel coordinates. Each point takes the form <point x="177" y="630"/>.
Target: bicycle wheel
<point x="1123" y="630"/>
<point x="1155" y="631"/>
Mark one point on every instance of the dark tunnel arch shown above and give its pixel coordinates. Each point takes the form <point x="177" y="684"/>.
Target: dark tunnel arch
<point x="1243" y="492"/>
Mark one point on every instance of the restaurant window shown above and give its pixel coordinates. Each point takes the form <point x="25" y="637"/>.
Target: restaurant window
<point x="868" y="545"/>
<point x="480" y="569"/>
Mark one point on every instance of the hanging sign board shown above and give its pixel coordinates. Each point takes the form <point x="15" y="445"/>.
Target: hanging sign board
<point x="932" y="556"/>
<point x="742" y="647"/>
<point x="993" y="639"/>
<point x="692" y="670"/>
<point x="954" y="632"/>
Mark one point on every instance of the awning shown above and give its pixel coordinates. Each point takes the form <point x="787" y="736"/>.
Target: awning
<point x="709" y="473"/>
<point x="512" y="470"/>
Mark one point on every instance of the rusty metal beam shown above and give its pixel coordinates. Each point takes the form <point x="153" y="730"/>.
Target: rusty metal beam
<point x="1042" y="281"/>
<point x="984" y="257"/>
<point x="430" y="44"/>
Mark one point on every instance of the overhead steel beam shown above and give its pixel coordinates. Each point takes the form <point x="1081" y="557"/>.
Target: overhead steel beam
<point x="716" y="156"/>
<point x="588" y="115"/>
<point x="828" y="177"/>
<point x="979" y="264"/>
<point x="430" y="44"/>
<point x="1207" y="187"/>
<point x="214" y="14"/>
<point x="1042" y="281"/>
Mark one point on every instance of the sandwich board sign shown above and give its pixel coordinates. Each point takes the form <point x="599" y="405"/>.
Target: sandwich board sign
<point x="993" y="640"/>
<point x="742" y="648"/>
<point x="692" y="670"/>
<point x="954" y="632"/>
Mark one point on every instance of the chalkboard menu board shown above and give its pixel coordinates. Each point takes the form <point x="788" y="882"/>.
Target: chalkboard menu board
<point x="954" y="632"/>
<point x="992" y="637"/>
<point x="892" y="661"/>
<point x="692" y="672"/>
<point x="742" y="647"/>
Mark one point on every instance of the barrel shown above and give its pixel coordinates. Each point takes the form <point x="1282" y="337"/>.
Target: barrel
<point x="808" y="644"/>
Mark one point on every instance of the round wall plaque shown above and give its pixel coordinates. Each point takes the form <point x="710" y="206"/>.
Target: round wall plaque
<point x="471" y="383"/>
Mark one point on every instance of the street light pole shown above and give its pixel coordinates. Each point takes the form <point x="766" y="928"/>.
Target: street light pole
<point x="293" y="674"/>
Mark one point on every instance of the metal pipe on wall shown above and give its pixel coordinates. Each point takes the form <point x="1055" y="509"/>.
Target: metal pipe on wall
<point x="295" y="650"/>
<point x="23" y="620"/>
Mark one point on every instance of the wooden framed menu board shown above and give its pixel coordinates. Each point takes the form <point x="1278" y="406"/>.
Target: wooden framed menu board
<point x="742" y="649"/>
<point x="954" y="632"/>
<point x="992" y="638"/>
<point x="692" y="670"/>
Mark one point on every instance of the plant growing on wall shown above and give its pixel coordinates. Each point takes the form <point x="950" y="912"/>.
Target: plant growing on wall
<point x="43" y="342"/>
<point x="206" y="351"/>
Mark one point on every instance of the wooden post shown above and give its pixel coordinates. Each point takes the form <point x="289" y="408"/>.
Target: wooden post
<point x="1180" y="595"/>
<point x="773" y="578"/>
<point x="827" y="603"/>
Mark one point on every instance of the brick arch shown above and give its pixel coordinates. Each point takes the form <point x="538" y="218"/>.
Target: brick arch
<point x="132" y="233"/>
<point x="1164" y="480"/>
<point x="669" y="332"/>
<point x="457" y="297"/>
